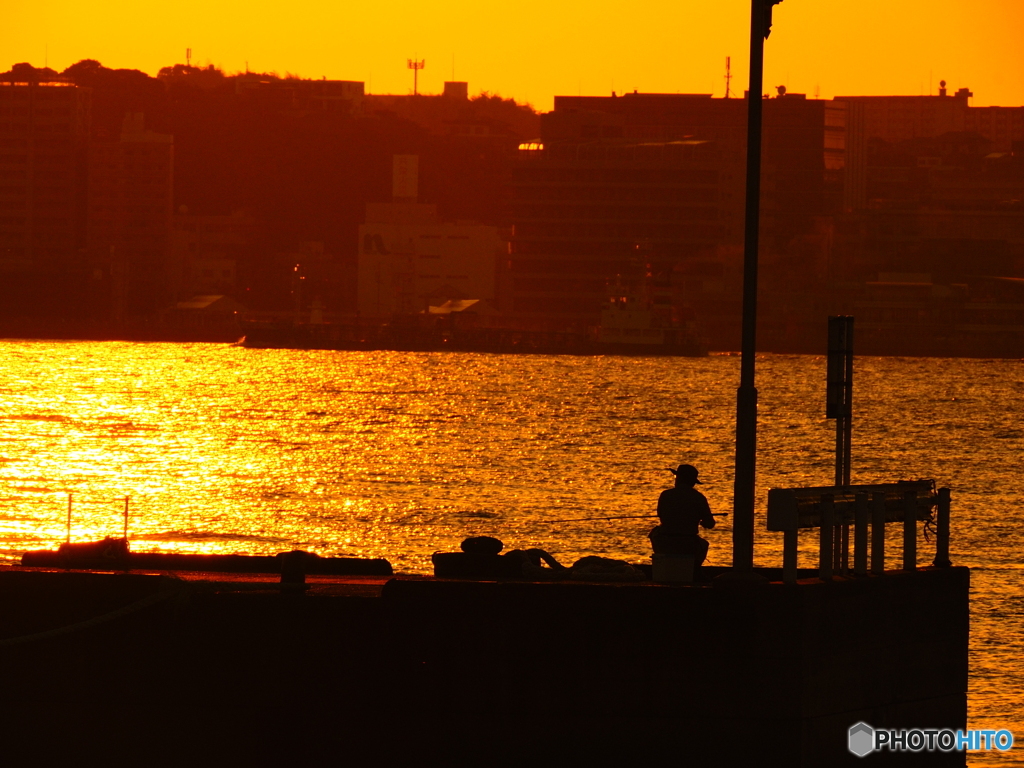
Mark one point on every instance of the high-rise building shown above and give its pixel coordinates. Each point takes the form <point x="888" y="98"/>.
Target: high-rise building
<point x="659" y="179"/>
<point x="43" y="132"/>
<point x="130" y="201"/>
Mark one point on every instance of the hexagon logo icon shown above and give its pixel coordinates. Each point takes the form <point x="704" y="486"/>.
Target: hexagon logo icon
<point x="861" y="739"/>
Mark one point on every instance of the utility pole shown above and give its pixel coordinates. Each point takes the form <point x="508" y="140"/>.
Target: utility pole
<point x="728" y="75"/>
<point x="746" y="395"/>
<point x="416" y="66"/>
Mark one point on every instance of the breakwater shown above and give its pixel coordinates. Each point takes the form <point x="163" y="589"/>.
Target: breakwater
<point x="634" y="667"/>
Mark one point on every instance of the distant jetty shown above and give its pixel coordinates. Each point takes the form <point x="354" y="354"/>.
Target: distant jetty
<point x="420" y="338"/>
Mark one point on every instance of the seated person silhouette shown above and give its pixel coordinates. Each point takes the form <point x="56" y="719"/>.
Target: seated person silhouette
<point x="681" y="510"/>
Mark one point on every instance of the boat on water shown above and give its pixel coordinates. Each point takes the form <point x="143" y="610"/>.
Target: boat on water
<point x="630" y="327"/>
<point x="638" y="319"/>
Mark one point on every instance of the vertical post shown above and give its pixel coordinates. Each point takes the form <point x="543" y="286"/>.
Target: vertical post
<point x="844" y="546"/>
<point x="827" y="530"/>
<point x="860" y="535"/>
<point x="878" y="533"/>
<point x="746" y="395"/>
<point x="942" y="530"/>
<point x="910" y="530"/>
<point x="837" y="544"/>
<point x="69" y="518"/>
<point x="839" y="391"/>
<point x="789" y="552"/>
<point x="848" y="402"/>
<point x="126" y="518"/>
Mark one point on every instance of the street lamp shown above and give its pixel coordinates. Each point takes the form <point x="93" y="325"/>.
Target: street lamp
<point x="746" y="395"/>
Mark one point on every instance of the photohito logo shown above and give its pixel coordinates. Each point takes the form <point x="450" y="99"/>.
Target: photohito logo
<point x="863" y="740"/>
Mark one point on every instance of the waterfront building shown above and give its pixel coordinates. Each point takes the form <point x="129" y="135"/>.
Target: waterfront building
<point x="131" y="181"/>
<point x="662" y="175"/>
<point x="208" y="252"/>
<point x="410" y="260"/>
<point x="43" y="135"/>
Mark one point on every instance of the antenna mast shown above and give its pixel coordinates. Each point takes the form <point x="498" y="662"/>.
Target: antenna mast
<point x="416" y="66"/>
<point x="728" y="74"/>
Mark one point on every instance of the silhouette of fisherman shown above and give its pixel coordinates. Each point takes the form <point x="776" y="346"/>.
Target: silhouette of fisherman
<point x="681" y="510"/>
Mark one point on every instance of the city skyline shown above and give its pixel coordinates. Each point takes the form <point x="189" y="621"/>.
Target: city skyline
<point x="532" y="53"/>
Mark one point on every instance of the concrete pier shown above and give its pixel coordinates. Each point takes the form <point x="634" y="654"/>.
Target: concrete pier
<point x="767" y="676"/>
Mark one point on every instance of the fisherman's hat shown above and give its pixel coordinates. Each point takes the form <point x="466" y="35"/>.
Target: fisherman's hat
<point x="687" y="472"/>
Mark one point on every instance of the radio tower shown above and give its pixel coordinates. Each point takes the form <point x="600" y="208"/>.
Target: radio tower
<point x="416" y="66"/>
<point x="728" y="75"/>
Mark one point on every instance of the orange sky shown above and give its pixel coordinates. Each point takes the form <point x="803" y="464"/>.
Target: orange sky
<point x="532" y="50"/>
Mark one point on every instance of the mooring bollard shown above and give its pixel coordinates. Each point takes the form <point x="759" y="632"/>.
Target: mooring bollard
<point x="860" y="534"/>
<point x="942" y="530"/>
<point x="878" y="533"/>
<point x="910" y="531"/>
<point x="293" y="571"/>
<point x="826" y="555"/>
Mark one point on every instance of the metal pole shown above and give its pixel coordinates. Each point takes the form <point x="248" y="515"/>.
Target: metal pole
<point x="126" y="518"/>
<point x="848" y="402"/>
<point x="746" y="395"/>
<point x="839" y="394"/>
<point x="69" y="518"/>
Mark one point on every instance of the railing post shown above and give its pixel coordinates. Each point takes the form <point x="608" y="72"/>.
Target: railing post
<point x="878" y="533"/>
<point x="826" y="508"/>
<point x="845" y="528"/>
<point x="910" y="530"/>
<point x="789" y="550"/>
<point x="860" y="535"/>
<point x="837" y="543"/>
<point x="942" y="530"/>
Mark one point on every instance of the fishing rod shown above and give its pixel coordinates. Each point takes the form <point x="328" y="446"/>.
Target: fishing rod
<point x="622" y="517"/>
<point x="570" y="520"/>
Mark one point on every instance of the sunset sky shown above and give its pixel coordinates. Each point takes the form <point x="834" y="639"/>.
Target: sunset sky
<point x="532" y="50"/>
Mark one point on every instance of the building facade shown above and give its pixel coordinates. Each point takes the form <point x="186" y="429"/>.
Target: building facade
<point x="656" y="182"/>
<point x="131" y="186"/>
<point x="410" y="260"/>
<point x="44" y="128"/>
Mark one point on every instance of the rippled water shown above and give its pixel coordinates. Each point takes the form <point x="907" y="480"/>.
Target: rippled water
<point x="377" y="454"/>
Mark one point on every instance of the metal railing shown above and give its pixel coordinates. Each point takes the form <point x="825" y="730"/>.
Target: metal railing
<point x="833" y="510"/>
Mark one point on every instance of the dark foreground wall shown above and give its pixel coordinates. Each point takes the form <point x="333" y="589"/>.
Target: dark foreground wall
<point x="772" y="676"/>
<point x="736" y="676"/>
